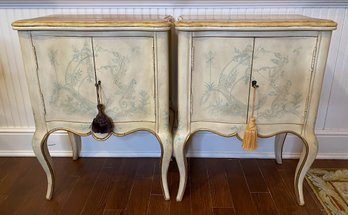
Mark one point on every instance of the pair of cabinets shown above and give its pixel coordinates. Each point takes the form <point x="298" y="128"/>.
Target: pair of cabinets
<point x="218" y="58"/>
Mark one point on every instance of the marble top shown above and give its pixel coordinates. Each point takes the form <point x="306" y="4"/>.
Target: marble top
<point x="93" y="20"/>
<point x="246" y="20"/>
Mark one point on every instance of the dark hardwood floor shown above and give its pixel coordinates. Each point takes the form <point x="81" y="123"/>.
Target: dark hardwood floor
<point x="132" y="186"/>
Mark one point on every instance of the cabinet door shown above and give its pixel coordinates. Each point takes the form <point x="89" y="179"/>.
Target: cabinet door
<point x="66" y="76"/>
<point x="283" y="68"/>
<point x="125" y="67"/>
<point x="220" y="79"/>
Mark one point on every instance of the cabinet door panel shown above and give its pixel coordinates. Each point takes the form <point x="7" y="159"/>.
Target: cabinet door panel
<point x="125" y="67"/>
<point x="220" y="79"/>
<point x="282" y="67"/>
<point x="66" y="75"/>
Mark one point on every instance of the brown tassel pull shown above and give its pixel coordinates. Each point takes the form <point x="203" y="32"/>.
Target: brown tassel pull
<point x="250" y="134"/>
<point x="101" y="123"/>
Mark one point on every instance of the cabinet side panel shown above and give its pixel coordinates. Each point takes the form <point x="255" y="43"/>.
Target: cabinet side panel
<point x="283" y="68"/>
<point x="163" y="83"/>
<point x="31" y="67"/>
<point x="220" y="78"/>
<point x="184" y="74"/>
<point x="319" y="70"/>
<point x="125" y="67"/>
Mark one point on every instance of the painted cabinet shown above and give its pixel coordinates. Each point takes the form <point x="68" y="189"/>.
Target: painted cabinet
<point x="220" y="56"/>
<point x="66" y="56"/>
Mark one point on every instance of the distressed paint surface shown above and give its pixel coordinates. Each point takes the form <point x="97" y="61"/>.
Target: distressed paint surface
<point x="220" y="79"/>
<point x="125" y="66"/>
<point x="221" y="76"/>
<point x="66" y="75"/>
<point x="282" y="68"/>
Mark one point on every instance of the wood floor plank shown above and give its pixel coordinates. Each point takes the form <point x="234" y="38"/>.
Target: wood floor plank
<point x="66" y="179"/>
<point x="112" y="212"/>
<point x="241" y="197"/>
<point x="23" y="187"/>
<point x="253" y="176"/>
<point x="285" y="202"/>
<point x="89" y="170"/>
<point x="140" y="193"/>
<point x="34" y="200"/>
<point x="64" y="183"/>
<point x="330" y="164"/>
<point x="3" y="161"/>
<point x="313" y="206"/>
<point x="156" y="184"/>
<point x="10" y="173"/>
<point x="158" y="206"/>
<point x="96" y="201"/>
<point x="54" y="206"/>
<point x="264" y="204"/>
<point x="114" y="163"/>
<point x="122" y="184"/>
<point x="18" y="184"/>
<point x="219" y="189"/>
<point x="223" y="211"/>
<point x="183" y="207"/>
<point x="200" y="192"/>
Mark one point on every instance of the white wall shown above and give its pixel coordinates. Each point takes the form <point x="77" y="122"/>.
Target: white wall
<point x="16" y="120"/>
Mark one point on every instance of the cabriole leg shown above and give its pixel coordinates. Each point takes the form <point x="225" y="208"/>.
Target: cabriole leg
<point x="75" y="141"/>
<point x="278" y="147"/>
<point x="40" y="149"/>
<point x="166" y="142"/>
<point x="308" y="155"/>
<point x="179" y="151"/>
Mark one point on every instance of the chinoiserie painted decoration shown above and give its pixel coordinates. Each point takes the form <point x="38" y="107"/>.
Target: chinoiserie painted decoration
<point x="221" y="56"/>
<point x="99" y="75"/>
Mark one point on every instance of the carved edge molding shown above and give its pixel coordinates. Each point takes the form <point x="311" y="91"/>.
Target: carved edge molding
<point x="169" y="3"/>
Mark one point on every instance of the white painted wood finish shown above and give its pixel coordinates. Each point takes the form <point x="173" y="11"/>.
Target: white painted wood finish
<point x="62" y="68"/>
<point x="66" y="77"/>
<point x="126" y="67"/>
<point x="283" y="69"/>
<point x="75" y="141"/>
<point x="288" y="66"/>
<point x="213" y="59"/>
<point x="278" y="147"/>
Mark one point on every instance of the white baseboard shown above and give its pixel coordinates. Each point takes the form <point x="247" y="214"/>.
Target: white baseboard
<point x="17" y="143"/>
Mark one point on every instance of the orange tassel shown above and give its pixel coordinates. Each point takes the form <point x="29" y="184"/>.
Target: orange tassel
<point x="250" y="134"/>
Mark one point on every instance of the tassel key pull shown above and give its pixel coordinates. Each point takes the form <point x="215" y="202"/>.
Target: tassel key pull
<point x="250" y="134"/>
<point x="101" y="123"/>
<point x="254" y="84"/>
